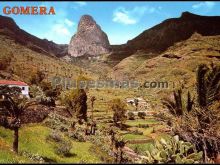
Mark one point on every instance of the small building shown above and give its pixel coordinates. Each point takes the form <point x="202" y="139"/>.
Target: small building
<point x="24" y="87"/>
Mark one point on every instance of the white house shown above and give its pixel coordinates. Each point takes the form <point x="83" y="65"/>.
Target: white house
<point x="24" y="87"/>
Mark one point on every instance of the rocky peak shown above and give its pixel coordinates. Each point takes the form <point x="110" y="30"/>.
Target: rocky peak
<point x="89" y="39"/>
<point x="188" y="15"/>
<point x="86" y="22"/>
<point x="7" y="22"/>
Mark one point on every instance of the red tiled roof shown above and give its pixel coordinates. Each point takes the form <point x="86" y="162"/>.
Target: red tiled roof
<point x="9" y="82"/>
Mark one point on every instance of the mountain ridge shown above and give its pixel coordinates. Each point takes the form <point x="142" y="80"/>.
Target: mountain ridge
<point x="9" y="27"/>
<point x="154" y="40"/>
<point x="165" y="34"/>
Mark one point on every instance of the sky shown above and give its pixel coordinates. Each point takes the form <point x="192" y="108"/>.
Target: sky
<point x="121" y="21"/>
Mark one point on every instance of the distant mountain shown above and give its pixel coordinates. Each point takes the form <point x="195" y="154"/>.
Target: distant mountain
<point x="9" y="28"/>
<point x="167" y="33"/>
<point x="150" y="42"/>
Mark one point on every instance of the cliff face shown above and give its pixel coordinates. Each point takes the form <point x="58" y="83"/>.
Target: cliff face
<point x="170" y="31"/>
<point x="89" y="39"/>
<point x="10" y="28"/>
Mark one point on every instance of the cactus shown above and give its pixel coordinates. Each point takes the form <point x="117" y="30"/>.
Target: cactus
<point x="172" y="151"/>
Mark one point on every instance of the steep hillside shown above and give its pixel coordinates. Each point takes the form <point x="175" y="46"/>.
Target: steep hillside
<point x="167" y="33"/>
<point x="178" y="64"/>
<point x="9" y="28"/>
<point x="19" y="62"/>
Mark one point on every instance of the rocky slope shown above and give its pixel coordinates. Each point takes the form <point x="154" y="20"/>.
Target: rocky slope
<point x="177" y="64"/>
<point x="9" y="28"/>
<point x="89" y="40"/>
<point x="167" y="33"/>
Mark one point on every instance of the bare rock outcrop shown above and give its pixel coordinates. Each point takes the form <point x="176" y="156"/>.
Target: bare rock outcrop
<point x="89" y="40"/>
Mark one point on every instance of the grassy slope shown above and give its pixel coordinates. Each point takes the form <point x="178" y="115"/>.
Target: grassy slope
<point x="33" y="140"/>
<point x="127" y="66"/>
<point x="24" y="61"/>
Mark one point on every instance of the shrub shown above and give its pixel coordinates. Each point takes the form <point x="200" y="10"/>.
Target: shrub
<point x="57" y="122"/>
<point x="79" y="136"/>
<point x="54" y="136"/>
<point x="36" y="77"/>
<point x="49" y="90"/>
<point x="78" y="131"/>
<point x="46" y="85"/>
<point x="36" y="91"/>
<point x="142" y="115"/>
<point x="131" y="116"/>
<point x="64" y="148"/>
<point x="48" y="101"/>
<point x="33" y="157"/>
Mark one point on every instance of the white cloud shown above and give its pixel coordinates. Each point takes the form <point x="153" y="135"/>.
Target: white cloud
<point x="68" y="22"/>
<point x="81" y="3"/>
<point x="123" y="16"/>
<point x="129" y="17"/>
<point x="205" y="5"/>
<point x="60" y="29"/>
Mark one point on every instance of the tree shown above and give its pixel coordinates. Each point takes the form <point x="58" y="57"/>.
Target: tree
<point x="136" y="101"/>
<point x="12" y="107"/>
<point x="117" y="144"/>
<point x="198" y="122"/>
<point x="118" y="107"/>
<point x="179" y="106"/>
<point x="75" y="100"/>
<point x="92" y="104"/>
<point x="208" y="84"/>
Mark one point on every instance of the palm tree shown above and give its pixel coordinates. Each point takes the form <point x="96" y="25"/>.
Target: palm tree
<point x="202" y="134"/>
<point x="176" y="106"/>
<point x="208" y="84"/>
<point x="12" y="107"/>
